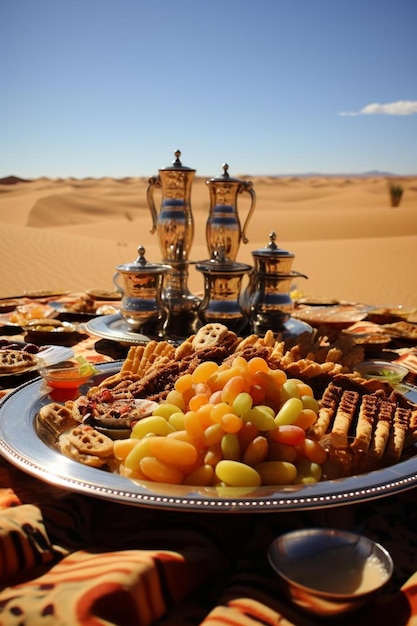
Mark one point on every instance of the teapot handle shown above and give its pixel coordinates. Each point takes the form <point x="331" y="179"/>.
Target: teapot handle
<point x="247" y="186"/>
<point x="116" y="284"/>
<point x="154" y="182"/>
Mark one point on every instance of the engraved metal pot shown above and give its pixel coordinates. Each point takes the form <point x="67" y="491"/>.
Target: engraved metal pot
<point x="222" y="292"/>
<point x="267" y="297"/>
<point x="142" y="306"/>
<point x="223" y="227"/>
<point x="174" y="226"/>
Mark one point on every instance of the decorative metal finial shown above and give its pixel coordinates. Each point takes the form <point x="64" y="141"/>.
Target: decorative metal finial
<point x="141" y="258"/>
<point x="272" y="238"/>
<point x="177" y="155"/>
<point x="225" y="167"/>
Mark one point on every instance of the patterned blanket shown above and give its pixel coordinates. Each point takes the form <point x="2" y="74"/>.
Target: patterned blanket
<point x="68" y="559"/>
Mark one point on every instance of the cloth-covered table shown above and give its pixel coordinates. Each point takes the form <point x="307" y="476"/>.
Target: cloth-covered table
<point x="69" y="559"/>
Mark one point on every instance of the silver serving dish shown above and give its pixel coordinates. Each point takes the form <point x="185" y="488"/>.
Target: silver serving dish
<point x="22" y="445"/>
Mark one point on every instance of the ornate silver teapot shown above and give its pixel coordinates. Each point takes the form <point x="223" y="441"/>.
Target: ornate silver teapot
<point x="222" y="291"/>
<point x="223" y="227"/>
<point x="174" y="226"/>
<point x="267" y="297"/>
<point x="142" y="306"/>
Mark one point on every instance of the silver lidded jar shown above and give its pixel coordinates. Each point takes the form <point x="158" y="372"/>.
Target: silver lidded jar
<point x="142" y="306"/>
<point x="267" y="297"/>
<point x="222" y="292"/>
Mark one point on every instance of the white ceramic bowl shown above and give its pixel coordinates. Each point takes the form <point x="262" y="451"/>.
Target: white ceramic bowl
<point x="392" y="373"/>
<point x="329" y="572"/>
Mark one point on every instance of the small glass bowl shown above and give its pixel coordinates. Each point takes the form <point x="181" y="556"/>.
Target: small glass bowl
<point x="329" y="572"/>
<point x="64" y="375"/>
<point x="382" y="370"/>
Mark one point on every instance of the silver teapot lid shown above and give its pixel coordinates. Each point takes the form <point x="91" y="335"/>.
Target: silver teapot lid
<point x="220" y="263"/>
<point x="177" y="166"/>
<point x="272" y="250"/>
<point x="225" y="177"/>
<point x="142" y="265"/>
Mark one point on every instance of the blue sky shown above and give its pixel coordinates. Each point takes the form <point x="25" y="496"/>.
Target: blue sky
<point x="114" y="87"/>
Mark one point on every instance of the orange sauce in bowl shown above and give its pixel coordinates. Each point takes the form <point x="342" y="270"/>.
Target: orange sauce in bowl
<point x="64" y="376"/>
<point x="65" y="379"/>
<point x="64" y="383"/>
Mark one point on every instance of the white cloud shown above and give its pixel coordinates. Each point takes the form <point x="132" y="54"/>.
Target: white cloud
<point x="401" y="107"/>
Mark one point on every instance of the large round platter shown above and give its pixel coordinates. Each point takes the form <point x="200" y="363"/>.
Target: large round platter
<point x="115" y="328"/>
<point x="21" y="444"/>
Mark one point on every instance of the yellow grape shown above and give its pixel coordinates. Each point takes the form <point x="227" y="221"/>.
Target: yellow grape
<point x="236" y="474"/>
<point x="310" y="403"/>
<point x="176" y="398"/>
<point x="155" y="424"/>
<point x="202" y="476"/>
<point x="165" y="410"/>
<point x="305" y="419"/>
<point x="233" y="388"/>
<point x="183" y="383"/>
<point x="314" y="451"/>
<point x="173" y="451"/>
<point x="256" y="452"/>
<point x="304" y="390"/>
<point x="257" y="364"/>
<point x="177" y="420"/>
<point x="218" y="410"/>
<point x="198" y="401"/>
<point x="242" y="402"/>
<point x="204" y="414"/>
<point x="288" y="412"/>
<point x="213" y="455"/>
<point x="241" y="365"/>
<point x="308" y="472"/>
<point x="193" y="425"/>
<point x="122" y="447"/>
<point x="277" y="472"/>
<point x="289" y="390"/>
<point x="213" y="434"/>
<point x="137" y="453"/>
<point x="218" y="380"/>
<point x="230" y="447"/>
<point x="160" y="472"/>
<point x="278" y="376"/>
<point x="182" y="435"/>
<point x="203" y="371"/>
<point x="261" y="417"/>
<point x="231" y="423"/>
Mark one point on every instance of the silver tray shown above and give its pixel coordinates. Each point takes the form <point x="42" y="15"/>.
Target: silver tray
<point x="21" y="444"/>
<point x="115" y="328"/>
